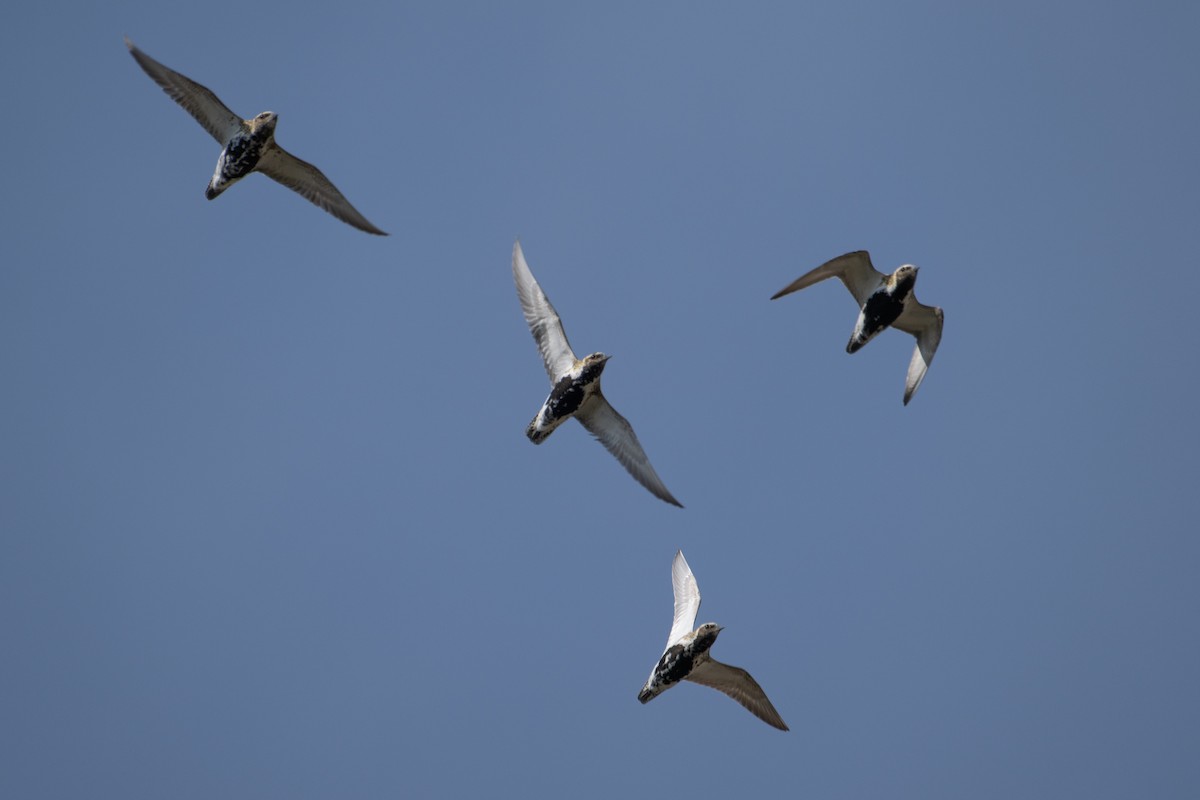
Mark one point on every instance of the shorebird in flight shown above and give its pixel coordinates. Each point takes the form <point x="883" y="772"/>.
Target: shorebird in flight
<point x="687" y="655"/>
<point x="575" y="386"/>
<point x="883" y="300"/>
<point x="248" y="145"/>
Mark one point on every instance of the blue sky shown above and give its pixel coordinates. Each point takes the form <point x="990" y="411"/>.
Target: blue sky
<point x="271" y="527"/>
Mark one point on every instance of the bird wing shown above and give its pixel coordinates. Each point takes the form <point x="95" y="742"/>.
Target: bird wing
<point x="543" y="321"/>
<point x="617" y="436"/>
<point x="925" y="323"/>
<point x="737" y="683"/>
<point x="854" y="270"/>
<point x="311" y="184"/>
<point x="687" y="599"/>
<point x="201" y="103"/>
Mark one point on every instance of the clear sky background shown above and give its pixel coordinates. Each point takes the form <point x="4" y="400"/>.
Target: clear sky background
<point x="270" y="523"/>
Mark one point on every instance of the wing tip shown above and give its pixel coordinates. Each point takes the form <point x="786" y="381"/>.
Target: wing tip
<point x="364" y="225"/>
<point x="519" y="264"/>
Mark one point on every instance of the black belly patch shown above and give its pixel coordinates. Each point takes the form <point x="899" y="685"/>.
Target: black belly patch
<point x="675" y="665"/>
<point x="880" y="311"/>
<point x="565" y="399"/>
<point x="241" y="157"/>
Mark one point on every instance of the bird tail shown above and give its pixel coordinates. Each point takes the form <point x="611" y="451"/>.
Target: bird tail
<point x="536" y="434"/>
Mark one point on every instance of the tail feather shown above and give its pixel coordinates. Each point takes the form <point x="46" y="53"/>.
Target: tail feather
<point x="859" y="340"/>
<point x="536" y="436"/>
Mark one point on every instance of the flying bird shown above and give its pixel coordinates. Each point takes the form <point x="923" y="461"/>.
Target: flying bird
<point x="884" y="300"/>
<point x="687" y="655"/>
<point x="575" y="386"/>
<point x="248" y="145"/>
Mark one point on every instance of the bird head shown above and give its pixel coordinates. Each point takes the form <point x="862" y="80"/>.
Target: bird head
<point x="903" y="279"/>
<point x="266" y="120"/>
<point x="706" y="635"/>
<point x="594" y="364"/>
